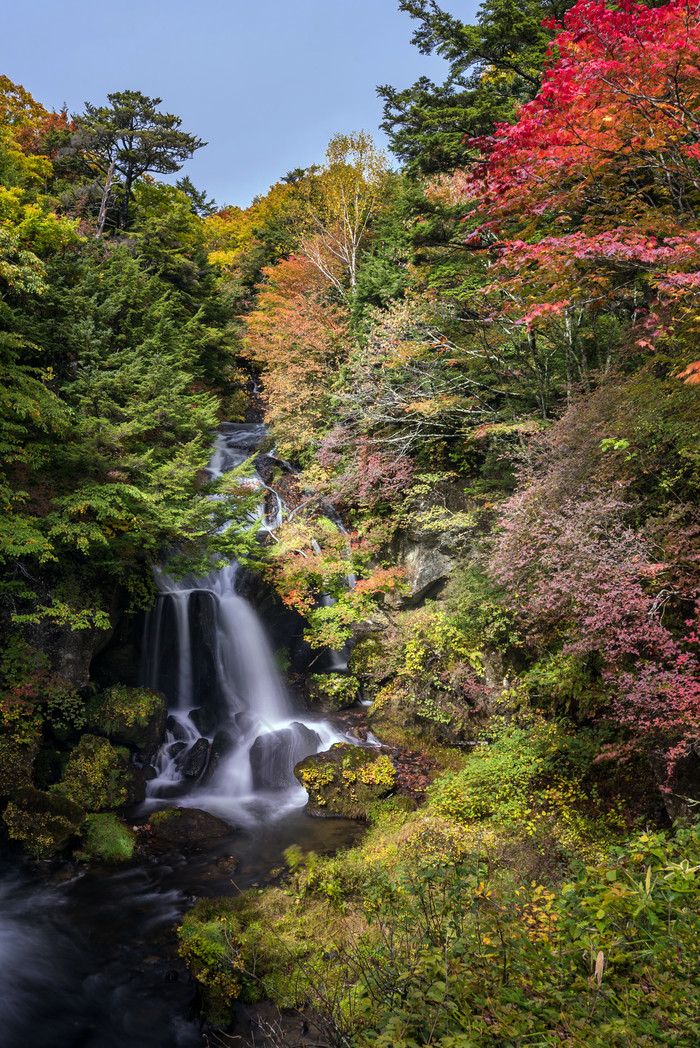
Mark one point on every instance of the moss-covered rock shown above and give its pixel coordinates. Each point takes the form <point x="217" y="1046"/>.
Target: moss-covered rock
<point x="345" y="780"/>
<point x="42" y="822"/>
<point x="106" y="839"/>
<point x="129" y="716"/>
<point x="20" y="739"/>
<point x="333" y="691"/>
<point x="407" y="715"/>
<point x="211" y="951"/>
<point x="97" y="776"/>
<point x="182" y="826"/>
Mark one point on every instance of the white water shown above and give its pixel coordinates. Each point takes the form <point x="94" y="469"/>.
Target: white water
<point x="206" y="648"/>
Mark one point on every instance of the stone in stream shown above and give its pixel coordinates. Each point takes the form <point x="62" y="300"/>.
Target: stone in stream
<point x="181" y="826"/>
<point x="203" y="720"/>
<point x="273" y="756"/>
<point x="196" y="760"/>
<point x="222" y="745"/>
<point x="176" y="729"/>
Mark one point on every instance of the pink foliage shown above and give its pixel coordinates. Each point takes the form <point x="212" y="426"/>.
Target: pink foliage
<point x="368" y="476"/>
<point x="585" y="579"/>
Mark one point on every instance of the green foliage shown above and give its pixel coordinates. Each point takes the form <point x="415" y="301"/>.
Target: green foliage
<point x="334" y="690"/>
<point x="480" y="609"/>
<point x="105" y="838"/>
<point x="211" y="952"/>
<point x="96" y="776"/>
<point x="529" y="780"/>
<point x="434" y="689"/>
<point x="563" y="683"/>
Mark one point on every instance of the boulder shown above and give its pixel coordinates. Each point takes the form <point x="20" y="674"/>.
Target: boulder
<point x="203" y="719"/>
<point x="196" y="760"/>
<point x="274" y="755"/>
<point x="133" y="717"/>
<point x="97" y="776"/>
<point x="42" y="822"/>
<point x="222" y="745"/>
<point x="428" y="549"/>
<point x="179" y="827"/>
<point x="346" y="780"/>
<point x="333" y="691"/>
<point x="176" y="729"/>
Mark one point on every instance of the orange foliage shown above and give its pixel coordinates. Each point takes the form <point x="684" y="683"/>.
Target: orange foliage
<point x="299" y="337"/>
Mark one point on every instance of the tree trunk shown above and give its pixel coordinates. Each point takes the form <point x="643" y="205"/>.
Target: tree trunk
<point x="102" y="217"/>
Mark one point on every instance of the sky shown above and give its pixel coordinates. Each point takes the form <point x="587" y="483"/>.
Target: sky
<point x="265" y="83"/>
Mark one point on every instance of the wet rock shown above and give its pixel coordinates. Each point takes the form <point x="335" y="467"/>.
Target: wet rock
<point x="346" y="780"/>
<point x="243" y="722"/>
<point x="196" y="760"/>
<point x="176" y="729"/>
<point x="179" y="827"/>
<point x="137" y="787"/>
<point x="222" y="745"/>
<point x="203" y="720"/>
<point x="176" y="748"/>
<point x="149" y="772"/>
<point x="42" y="822"/>
<point x="273" y="756"/>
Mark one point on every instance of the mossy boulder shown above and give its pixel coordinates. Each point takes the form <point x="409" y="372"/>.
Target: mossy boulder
<point x="106" y="839"/>
<point x="346" y="780"/>
<point x="179" y="827"/>
<point x="212" y="952"/>
<point x="405" y="715"/>
<point x="97" y="776"/>
<point x="132" y="717"/>
<point x="20" y="739"/>
<point x="42" y="822"/>
<point x="333" y="691"/>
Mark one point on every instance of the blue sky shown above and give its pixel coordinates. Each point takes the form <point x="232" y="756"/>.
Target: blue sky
<point x="265" y="82"/>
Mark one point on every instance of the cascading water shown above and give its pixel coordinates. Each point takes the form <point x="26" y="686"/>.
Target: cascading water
<point x="233" y="738"/>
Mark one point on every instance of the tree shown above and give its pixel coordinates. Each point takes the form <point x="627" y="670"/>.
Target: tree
<point x="495" y="66"/>
<point x="299" y="338"/>
<point x="343" y="199"/>
<point x="198" y="197"/>
<point x="131" y="137"/>
<point x="590" y="199"/>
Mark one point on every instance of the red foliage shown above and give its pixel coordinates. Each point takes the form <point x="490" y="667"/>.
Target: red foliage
<point x="595" y="186"/>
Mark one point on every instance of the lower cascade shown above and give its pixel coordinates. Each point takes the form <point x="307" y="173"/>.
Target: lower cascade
<point x="233" y="738"/>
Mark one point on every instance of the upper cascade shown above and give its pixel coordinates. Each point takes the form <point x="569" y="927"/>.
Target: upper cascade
<point x="233" y="735"/>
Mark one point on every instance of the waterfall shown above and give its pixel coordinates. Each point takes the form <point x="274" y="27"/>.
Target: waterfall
<point x="232" y="735"/>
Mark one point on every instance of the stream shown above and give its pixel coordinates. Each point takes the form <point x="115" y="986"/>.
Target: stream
<point x="89" y="954"/>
